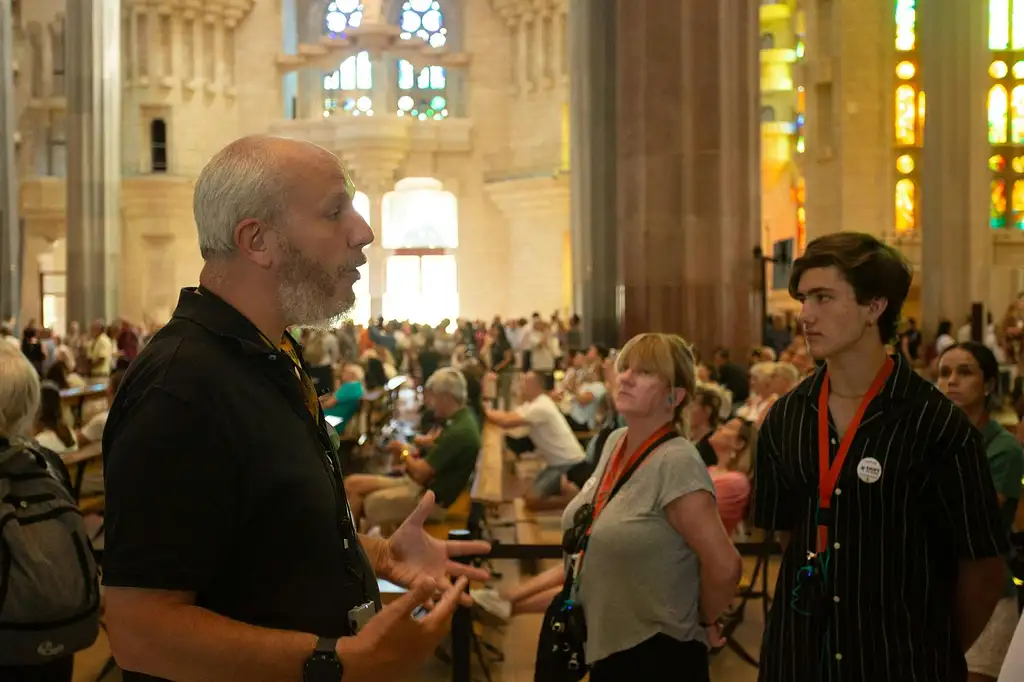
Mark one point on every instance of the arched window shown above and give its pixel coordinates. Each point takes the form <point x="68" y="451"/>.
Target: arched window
<point x="906" y="206"/>
<point x="1006" y="113"/>
<point x="421" y="232"/>
<point x="767" y="114"/>
<point x="349" y="88"/>
<point x="767" y="41"/>
<point x="422" y="92"/>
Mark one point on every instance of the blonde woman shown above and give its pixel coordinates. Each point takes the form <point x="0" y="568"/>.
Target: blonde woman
<point x="658" y="567"/>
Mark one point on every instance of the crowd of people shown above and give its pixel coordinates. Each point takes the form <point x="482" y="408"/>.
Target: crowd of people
<point x="237" y="548"/>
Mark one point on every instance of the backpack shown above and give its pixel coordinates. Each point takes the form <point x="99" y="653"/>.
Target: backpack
<point x="49" y="584"/>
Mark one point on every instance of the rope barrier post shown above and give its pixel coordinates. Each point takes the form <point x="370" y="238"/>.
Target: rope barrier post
<point x="462" y="629"/>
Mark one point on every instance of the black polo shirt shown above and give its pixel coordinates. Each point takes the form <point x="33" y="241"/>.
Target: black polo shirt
<point x="886" y="611"/>
<point x="220" y="482"/>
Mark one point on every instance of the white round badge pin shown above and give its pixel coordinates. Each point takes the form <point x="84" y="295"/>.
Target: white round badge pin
<point x="869" y="470"/>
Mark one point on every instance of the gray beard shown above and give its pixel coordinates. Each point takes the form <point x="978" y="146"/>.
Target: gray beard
<point x="308" y="293"/>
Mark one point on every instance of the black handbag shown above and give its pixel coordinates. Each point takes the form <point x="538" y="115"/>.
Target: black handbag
<point x="563" y="632"/>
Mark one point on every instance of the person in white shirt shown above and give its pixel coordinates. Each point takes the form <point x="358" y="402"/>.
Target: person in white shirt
<point x="583" y="410"/>
<point x="100" y="352"/>
<point x="543" y="347"/>
<point x="552" y="440"/>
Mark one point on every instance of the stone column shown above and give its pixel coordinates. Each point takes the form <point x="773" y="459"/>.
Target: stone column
<point x="956" y="239"/>
<point x="10" y="225"/>
<point x="537" y="213"/>
<point x="94" y="172"/>
<point x="687" y="171"/>
<point x="592" y="108"/>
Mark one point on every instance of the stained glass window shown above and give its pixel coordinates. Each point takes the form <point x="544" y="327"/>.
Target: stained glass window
<point x="998" y="114"/>
<point x="349" y="87"/>
<point x="1017" y="115"/>
<point x="1017" y="24"/>
<point x="998" y="24"/>
<point x="1017" y="203"/>
<point x="997" y="204"/>
<point x="906" y="25"/>
<point x="906" y="115"/>
<point x="422" y="91"/>
<point x="906" y="206"/>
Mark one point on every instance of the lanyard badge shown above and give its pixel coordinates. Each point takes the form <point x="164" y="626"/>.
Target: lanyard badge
<point x="828" y="470"/>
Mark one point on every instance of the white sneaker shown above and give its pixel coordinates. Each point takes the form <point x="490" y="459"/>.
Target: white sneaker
<point x="489" y="600"/>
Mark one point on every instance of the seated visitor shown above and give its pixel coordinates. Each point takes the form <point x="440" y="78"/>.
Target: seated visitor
<point x="658" y="564"/>
<point x="549" y="437"/>
<point x="344" y="402"/>
<point x="969" y="376"/>
<point x="586" y="401"/>
<point x="92" y="430"/>
<point x="52" y="432"/>
<point x="445" y="468"/>
<point x="732" y="443"/>
<point x="760" y="397"/>
<point x="784" y="378"/>
<point x="703" y="417"/>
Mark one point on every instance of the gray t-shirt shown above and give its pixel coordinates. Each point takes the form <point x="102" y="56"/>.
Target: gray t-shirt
<point x="639" y="577"/>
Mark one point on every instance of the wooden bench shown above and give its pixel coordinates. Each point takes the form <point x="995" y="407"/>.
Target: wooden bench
<point x="531" y="528"/>
<point x="457" y="518"/>
<point x="79" y="459"/>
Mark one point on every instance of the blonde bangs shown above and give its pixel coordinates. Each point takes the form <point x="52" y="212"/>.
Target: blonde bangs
<point x="664" y="355"/>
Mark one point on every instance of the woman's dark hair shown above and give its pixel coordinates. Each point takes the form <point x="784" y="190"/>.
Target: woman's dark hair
<point x="874" y="270"/>
<point x="602" y="350"/>
<point x="375" y="377"/>
<point x="945" y="327"/>
<point x="51" y="415"/>
<point x="987" y="363"/>
<point x="58" y="374"/>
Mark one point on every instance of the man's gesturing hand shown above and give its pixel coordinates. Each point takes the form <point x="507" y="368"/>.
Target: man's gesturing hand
<point x="394" y="643"/>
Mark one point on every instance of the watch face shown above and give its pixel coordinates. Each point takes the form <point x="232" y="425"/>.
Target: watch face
<point x="322" y="668"/>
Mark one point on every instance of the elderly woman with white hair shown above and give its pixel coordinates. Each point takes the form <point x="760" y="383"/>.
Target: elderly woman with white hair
<point x="339" y="407"/>
<point x="445" y="468"/>
<point x="759" y="401"/>
<point x="19" y="408"/>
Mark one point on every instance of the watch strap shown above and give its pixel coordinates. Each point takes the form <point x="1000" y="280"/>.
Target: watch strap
<point x="326" y="645"/>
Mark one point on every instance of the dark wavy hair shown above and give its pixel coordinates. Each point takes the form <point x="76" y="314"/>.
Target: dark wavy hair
<point x="874" y="270"/>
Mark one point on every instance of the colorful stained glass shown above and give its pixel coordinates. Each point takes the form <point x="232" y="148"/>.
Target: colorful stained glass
<point x="920" y="117"/>
<point x="906" y="115"/>
<point x="998" y="24"/>
<point x="423" y="19"/>
<point x="355" y="72"/>
<point x="1017" y="115"/>
<point x="1018" y="68"/>
<point x="905" y="164"/>
<point x="1017" y="205"/>
<point x="998" y="115"/>
<point x="906" y="25"/>
<point x="905" y="70"/>
<point x="1017" y="21"/>
<point x="1017" y="164"/>
<point x="906" y="206"/>
<point x="998" y="69"/>
<point x="997" y="204"/>
<point x="997" y="163"/>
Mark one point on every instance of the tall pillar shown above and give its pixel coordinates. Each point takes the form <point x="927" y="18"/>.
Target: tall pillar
<point x="592" y="103"/>
<point x="687" y="170"/>
<point x="10" y="225"/>
<point x="956" y="239"/>
<point x="93" y="56"/>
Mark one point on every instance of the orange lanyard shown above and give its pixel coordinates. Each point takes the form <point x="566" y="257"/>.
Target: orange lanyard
<point x="828" y="472"/>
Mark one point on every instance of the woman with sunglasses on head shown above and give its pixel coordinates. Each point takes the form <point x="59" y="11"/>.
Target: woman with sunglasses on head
<point x="969" y="375"/>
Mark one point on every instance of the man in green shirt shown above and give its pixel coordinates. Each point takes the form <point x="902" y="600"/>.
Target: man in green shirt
<point x="445" y="467"/>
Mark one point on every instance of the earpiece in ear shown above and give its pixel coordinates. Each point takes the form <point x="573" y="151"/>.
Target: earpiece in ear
<point x="669" y="401"/>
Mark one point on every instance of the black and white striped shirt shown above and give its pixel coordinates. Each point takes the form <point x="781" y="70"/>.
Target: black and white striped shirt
<point x="886" y="612"/>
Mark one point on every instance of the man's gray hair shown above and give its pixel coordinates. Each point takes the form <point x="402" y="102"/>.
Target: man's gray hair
<point x="449" y="381"/>
<point x="19" y="393"/>
<point x="241" y="181"/>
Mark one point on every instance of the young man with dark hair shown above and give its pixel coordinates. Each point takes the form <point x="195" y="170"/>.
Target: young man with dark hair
<point x="879" y="489"/>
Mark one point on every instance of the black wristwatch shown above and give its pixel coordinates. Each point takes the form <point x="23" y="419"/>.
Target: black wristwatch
<point x="323" y="665"/>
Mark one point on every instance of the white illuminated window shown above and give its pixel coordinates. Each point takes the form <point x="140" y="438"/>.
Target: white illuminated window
<point x="360" y="312"/>
<point x="420" y="214"/>
<point x="421" y="289"/>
